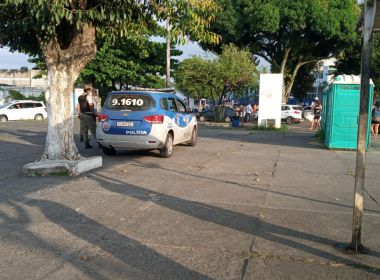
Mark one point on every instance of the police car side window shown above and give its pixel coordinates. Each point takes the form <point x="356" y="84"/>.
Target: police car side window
<point x="164" y="104"/>
<point x="180" y="106"/>
<point x="172" y="105"/>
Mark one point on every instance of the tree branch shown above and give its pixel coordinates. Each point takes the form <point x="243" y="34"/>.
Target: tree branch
<point x="285" y="60"/>
<point x="289" y="86"/>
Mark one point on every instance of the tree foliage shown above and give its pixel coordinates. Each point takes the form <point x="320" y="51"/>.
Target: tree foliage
<point x="16" y="95"/>
<point x="194" y="77"/>
<point x="349" y="60"/>
<point x="231" y="72"/>
<point x="288" y="34"/>
<point x="131" y="61"/>
<point x="28" y="25"/>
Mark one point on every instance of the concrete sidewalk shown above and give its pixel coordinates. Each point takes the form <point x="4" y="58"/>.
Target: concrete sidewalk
<point x="240" y="205"/>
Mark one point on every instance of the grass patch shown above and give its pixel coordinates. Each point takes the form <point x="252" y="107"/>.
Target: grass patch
<point x="283" y="128"/>
<point x="320" y="135"/>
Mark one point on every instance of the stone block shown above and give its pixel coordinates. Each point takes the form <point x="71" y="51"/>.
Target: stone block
<point x="62" y="167"/>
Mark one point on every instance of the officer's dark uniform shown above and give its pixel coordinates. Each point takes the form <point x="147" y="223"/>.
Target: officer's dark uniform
<point x="87" y="119"/>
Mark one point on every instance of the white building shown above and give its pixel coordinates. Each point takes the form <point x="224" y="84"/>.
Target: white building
<point x="22" y="78"/>
<point x="23" y="81"/>
<point x="323" y="74"/>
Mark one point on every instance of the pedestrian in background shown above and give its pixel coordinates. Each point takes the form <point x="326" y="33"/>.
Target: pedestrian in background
<point x="241" y="113"/>
<point x="87" y="115"/>
<point x="97" y="101"/>
<point x="375" y="121"/>
<point x="317" y="110"/>
<point x="248" y="112"/>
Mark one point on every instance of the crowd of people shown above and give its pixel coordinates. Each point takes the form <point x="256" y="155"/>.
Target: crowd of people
<point x="246" y="113"/>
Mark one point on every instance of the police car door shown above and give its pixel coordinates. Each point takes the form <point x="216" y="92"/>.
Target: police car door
<point x="184" y="120"/>
<point x="175" y="117"/>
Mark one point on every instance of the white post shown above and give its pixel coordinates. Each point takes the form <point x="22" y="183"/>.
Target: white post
<point x="270" y="99"/>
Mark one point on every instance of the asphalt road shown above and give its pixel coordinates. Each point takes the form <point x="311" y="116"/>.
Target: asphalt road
<point x="239" y="205"/>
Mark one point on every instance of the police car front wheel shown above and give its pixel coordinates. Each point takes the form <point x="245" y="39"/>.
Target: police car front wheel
<point x="167" y="150"/>
<point x="193" y="139"/>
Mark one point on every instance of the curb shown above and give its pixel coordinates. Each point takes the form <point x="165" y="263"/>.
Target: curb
<point x="62" y="167"/>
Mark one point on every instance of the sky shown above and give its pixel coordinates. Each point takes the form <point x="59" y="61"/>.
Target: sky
<point x="16" y="60"/>
<point x="10" y="60"/>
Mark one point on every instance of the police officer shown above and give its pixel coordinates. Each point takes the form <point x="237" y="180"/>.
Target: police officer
<point x="87" y="115"/>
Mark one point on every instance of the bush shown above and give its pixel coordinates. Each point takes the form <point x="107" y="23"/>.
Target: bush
<point x="16" y="95"/>
<point x="41" y="97"/>
<point x="320" y="135"/>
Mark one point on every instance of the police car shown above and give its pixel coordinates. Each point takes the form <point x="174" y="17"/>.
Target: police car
<point x="145" y="120"/>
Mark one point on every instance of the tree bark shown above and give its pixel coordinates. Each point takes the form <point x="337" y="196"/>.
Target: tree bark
<point x="284" y="61"/>
<point x="283" y="72"/>
<point x="64" y="66"/>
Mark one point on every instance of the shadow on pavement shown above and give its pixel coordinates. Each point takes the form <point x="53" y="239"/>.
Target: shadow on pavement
<point x="234" y="220"/>
<point x="240" y="185"/>
<point x="145" y="262"/>
<point x="299" y="138"/>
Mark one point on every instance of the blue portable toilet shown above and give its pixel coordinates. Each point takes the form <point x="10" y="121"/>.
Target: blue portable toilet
<point x="340" y="114"/>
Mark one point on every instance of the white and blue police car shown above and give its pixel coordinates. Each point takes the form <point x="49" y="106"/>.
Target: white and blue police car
<point x="145" y="120"/>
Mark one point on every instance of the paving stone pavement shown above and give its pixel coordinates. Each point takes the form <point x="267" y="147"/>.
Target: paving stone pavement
<point x="241" y="204"/>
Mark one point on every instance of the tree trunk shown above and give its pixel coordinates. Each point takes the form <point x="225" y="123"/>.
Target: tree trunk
<point x="283" y="72"/>
<point x="64" y="66"/>
<point x="284" y="61"/>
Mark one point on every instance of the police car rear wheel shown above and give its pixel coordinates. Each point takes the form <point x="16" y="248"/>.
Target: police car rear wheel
<point x="193" y="139"/>
<point x="109" y="151"/>
<point x="167" y="150"/>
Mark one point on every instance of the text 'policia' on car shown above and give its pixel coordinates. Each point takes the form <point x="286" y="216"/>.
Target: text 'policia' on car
<point x="145" y="120"/>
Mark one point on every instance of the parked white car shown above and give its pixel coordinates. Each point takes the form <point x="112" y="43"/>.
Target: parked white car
<point x="22" y="110"/>
<point x="291" y="113"/>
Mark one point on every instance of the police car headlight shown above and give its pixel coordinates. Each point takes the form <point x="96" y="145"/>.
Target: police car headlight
<point x="106" y="126"/>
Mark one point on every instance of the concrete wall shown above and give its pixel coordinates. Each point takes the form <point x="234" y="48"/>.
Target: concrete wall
<point x="19" y="78"/>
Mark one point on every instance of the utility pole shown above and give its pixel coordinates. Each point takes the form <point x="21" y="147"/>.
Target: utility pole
<point x="369" y="18"/>
<point x="168" y="48"/>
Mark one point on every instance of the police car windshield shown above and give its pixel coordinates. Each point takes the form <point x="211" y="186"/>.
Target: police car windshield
<point x="129" y="102"/>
